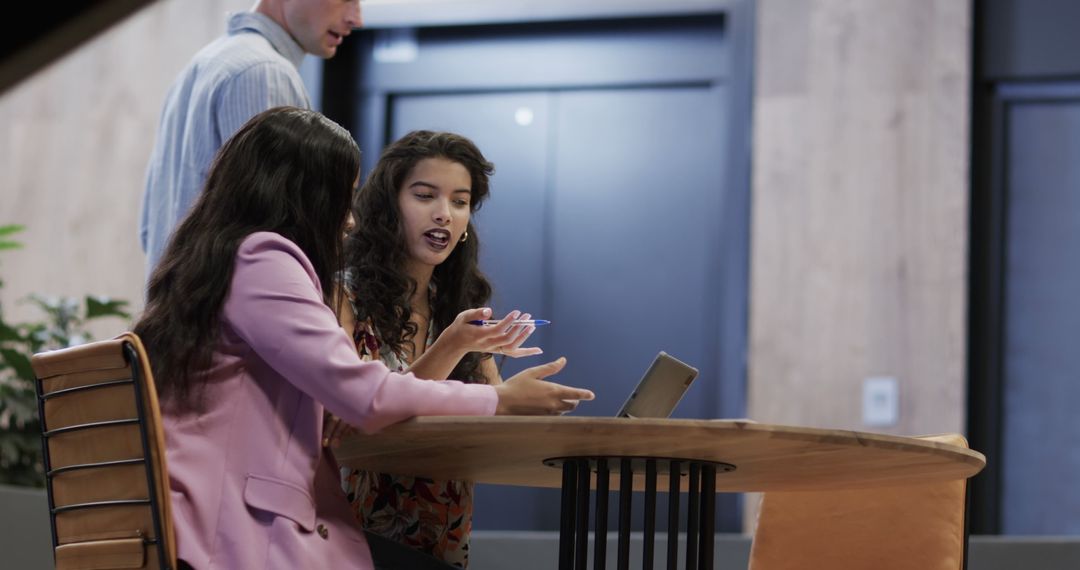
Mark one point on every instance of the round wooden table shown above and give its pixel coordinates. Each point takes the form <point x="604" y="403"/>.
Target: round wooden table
<point x="709" y="455"/>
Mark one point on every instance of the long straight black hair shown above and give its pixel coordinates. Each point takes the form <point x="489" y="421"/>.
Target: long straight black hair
<point x="376" y="252"/>
<point x="287" y="170"/>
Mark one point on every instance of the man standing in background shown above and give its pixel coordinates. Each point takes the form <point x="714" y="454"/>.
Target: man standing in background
<point x="253" y="67"/>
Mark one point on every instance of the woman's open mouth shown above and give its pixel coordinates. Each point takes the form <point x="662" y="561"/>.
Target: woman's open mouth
<point x="437" y="239"/>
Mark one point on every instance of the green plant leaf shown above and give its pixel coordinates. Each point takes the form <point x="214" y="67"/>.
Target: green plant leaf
<point x="9" y="229"/>
<point x="19" y="362"/>
<point x="6" y="231"/>
<point x="97" y="307"/>
<point x="9" y="334"/>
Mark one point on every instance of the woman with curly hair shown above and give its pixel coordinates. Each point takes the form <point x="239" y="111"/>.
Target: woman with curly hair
<point x="414" y="285"/>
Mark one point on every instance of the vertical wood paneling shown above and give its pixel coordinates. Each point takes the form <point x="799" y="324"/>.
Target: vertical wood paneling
<point x="860" y="205"/>
<point x="859" y="230"/>
<point x="74" y="140"/>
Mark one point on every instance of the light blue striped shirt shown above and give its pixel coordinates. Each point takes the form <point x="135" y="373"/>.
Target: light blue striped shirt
<point x="253" y="67"/>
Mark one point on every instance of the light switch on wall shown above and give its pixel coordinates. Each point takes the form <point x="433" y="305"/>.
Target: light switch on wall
<point x="880" y="401"/>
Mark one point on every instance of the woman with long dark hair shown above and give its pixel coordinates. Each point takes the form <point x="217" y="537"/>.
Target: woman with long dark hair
<point x="247" y="354"/>
<point x="414" y="285"/>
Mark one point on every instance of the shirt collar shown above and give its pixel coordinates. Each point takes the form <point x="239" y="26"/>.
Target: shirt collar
<point x="261" y="24"/>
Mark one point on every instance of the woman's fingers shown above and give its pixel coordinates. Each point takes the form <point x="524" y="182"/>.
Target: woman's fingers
<point x="474" y="314"/>
<point x="505" y="337"/>
<point x="566" y="396"/>
<point x="567" y="406"/>
<point x="549" y="369"/>
<point x="502" y="337"/>
<point x="520" y="352"/>
<point x="513" y="347"/>
<point x="519" y="333"/>
<point x="574" y="394"/>
<point x="527" y="393"/>
<point x="505" y="323"/>
<point x="565" y="399"/>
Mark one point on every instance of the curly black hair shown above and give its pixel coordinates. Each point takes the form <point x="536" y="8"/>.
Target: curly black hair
<point x="376" y="251"/>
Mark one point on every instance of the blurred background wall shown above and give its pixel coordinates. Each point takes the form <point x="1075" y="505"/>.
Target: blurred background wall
<point x="74" y="142"/>
<point x="860" y="206"/>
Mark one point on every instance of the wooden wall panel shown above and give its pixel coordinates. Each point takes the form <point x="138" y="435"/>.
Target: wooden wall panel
<point x="860" y="206"/>
<point x="74" y="140"/>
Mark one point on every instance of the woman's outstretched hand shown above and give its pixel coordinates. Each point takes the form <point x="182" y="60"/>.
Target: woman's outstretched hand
<point x="501" y="338"/>
<point x="528" y="394"/>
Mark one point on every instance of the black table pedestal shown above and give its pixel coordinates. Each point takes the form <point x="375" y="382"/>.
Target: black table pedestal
<point x="574" y="527"/>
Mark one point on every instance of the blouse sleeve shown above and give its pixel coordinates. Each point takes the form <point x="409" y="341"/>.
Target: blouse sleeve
<point x="275" y="305"/>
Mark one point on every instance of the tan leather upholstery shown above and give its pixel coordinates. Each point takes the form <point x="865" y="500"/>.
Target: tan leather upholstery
<point x="916" y="527"/>
<point x="114" y="536"/>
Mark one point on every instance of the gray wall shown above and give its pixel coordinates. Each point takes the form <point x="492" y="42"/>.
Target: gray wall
<point x="25" y="538"/>
<point x="539" y="551"/>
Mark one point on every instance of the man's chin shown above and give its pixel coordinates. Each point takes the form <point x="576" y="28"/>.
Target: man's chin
<point x="321" y="51"/>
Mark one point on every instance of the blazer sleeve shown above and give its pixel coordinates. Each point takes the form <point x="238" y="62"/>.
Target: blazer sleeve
<point x="275" y="305"/>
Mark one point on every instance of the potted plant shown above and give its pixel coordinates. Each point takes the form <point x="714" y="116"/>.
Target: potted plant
<point x="62" y="324"/>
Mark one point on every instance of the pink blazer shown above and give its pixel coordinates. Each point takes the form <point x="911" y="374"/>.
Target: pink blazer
<point x="252" y="486"/>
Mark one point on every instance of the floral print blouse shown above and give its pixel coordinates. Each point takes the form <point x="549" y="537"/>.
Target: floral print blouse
<point x="431" y="516"/>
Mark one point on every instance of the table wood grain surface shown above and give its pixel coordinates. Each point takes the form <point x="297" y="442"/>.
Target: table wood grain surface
<point x="511" y="450"/>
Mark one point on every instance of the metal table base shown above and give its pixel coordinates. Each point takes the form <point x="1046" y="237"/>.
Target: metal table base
<point x="577" y="474"/>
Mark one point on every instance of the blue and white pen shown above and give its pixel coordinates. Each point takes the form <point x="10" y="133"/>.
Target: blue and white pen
<point x="533" y="322"/>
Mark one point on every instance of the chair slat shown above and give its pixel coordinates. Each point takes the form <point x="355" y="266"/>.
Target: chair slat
<point x="108" y="403"/>
<point x="63" y="382"/>
<point x="90" y="485"/>
<point x="119" y="521"/>
<point x="102" y="355"/>
<point x="109" y="443"/>
<point x="114" y="553"/>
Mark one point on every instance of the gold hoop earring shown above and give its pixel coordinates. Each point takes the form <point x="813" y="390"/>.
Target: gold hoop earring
<point x="464" y="237"/>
